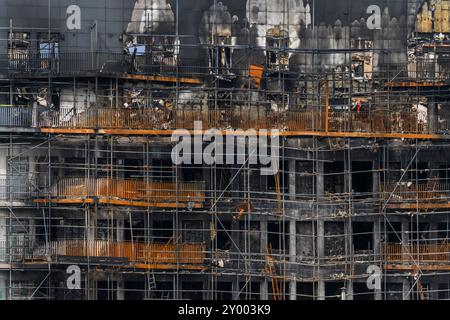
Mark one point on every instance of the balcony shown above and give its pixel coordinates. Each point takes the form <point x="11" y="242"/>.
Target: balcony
<point x="431" y="195"/>
<point x="151" y="121"/>
<point x="129" y="254"/>
<point x="126" y="192"/>
<point x="108" y="119"/>
<point x="4" y="257"/>
<point x="15" y="188"/>
<point x="423" y="256"/>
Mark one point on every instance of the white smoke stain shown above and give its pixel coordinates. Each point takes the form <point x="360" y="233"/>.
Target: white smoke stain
<point x="149" y="15"/>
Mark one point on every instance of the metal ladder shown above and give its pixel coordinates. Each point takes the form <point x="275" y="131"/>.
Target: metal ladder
<point x="270" y="268"/>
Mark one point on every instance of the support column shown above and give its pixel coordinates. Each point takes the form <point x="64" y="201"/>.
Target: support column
<point x="3" y="235"/>
<point x="4" y="259"/>
<point x="293" y="258"/>
<point x="320" y="239"/>
<point x="292" y="290"/>
<point x="406" y="290"/>
<point x="405" y="232"/>
<point x="3" y="280"/>
<point x="412" y="14"/>
<point x="378" y="295"/>
<point x="320" y="222"/>
<point x="120" y="287"/>
<point x="34" y="116"/>
<point x="264" y="242"/>
<point x="405" y="240"/>
<point x="91" y="286"/>
<point x="92" y="225"/>
<point x="292" y="243"/>
<point x="120" y="228"/>
<point x="434" y="288"/>
<point x="432" y="116"/>
<point x="432" y="234"/>
<point x="292" y="180"/>
<point x="348" y="229"/>
<point x="320" y="246"/>
<point x="264" y="238"/>
<point x="32" y="230"/>
<point x="321" y="290"/>
<point x="235" y="236"/>
<point x="208" y="294"/>
<point x="376" y="180"/>
<point x="377" y="239"/>
<point x="264" y="290"/>
<point x="235" y="288"/>
<point x="349" y="295"/>
<point x="234" y="252"/>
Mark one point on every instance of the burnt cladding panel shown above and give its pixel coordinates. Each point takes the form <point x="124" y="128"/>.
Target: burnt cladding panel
<point x="112" y="18"/>
<point x="115" y="16"/>
<point x="190" y="15"/>
<point x="394" y="15"/>
<point x="3" y="35"/>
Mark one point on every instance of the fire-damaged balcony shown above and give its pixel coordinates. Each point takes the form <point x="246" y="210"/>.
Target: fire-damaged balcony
<point x="37" y="64"/>
<point x="411" y="196"/>
<point x="417" y="256"/>
<point x="125" y="193"/>
<point x="316" y="123"/>
<point x="15" y="118"/>
<point x="123" y="254"/>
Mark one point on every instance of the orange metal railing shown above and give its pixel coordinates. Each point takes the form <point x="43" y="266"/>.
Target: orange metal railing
<point x="385" y="122"/>
<point x="310" y="121"/>
<point x="416" y="253"/>
<point x="134" y="252"/>
<point x="129" y="190"/>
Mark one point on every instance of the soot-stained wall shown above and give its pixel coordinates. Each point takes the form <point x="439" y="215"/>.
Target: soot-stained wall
<point x="318" y="24"/>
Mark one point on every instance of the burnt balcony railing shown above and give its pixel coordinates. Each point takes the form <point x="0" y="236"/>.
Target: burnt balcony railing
<point x="258" y="120"/>
<point x="307" y="121"/>
<point x="131" y="190"/>
<point x="133" y="252"/>
<point x="411" y="192"/>
<point x="417" y="253"/>
<point x="16" y="117"/>
<point x="385" y="122"/>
